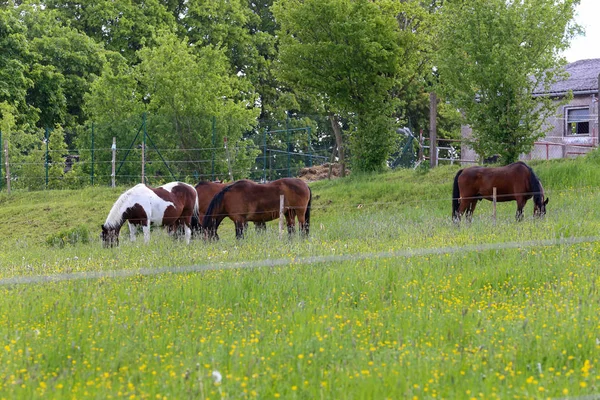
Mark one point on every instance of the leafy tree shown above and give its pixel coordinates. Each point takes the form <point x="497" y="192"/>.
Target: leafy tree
<point x="14" y="65"/>
<point x="124" y="26"/>
<point x="182" y="90"/>
<point x="493" y="55"/>
<point x="356" y="56"/>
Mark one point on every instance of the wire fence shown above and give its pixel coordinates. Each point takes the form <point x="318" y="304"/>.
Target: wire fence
<point x="145" y="151"/>
<point x="311" y="260"/>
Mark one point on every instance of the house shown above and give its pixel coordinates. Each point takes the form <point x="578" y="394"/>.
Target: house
<point x="574" y="128"/>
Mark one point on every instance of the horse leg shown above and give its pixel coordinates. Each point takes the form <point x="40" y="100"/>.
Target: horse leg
<point x="187" y="232"/>
<point x="239" y="229"/>
<point x="471" y="210"/>
<point x="464" y="205"/>
<point x="146" y="229"/>
<point x="132" y="229"/>
<point x="520" y="205"/>
<point x="260" y="227"/>
<point x="302" y="224"/>
<point x="291" y="222"/>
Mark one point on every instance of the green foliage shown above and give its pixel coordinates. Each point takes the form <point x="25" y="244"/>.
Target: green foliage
<point x="351" y="55"/>
<point x="72" y="236"/>
<point x="183" y="90"/>
<point x="122" y="26"/>
<point x="493" y="56"/>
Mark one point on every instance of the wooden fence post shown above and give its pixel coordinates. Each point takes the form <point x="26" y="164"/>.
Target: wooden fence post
<point x="113" y="162"/>
<point x="7" y="166"/>
<point x="494" y="204"/>
<point x="433" y="155"/>
<point x="281" y="217"/>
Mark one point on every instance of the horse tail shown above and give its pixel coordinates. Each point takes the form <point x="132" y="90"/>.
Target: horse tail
<point x="195" y="224"/>
<point x="456" y="195"/>
<point x="534" y="187"/>
<point x="213" y="215"/>
<point x="307" y="213"/>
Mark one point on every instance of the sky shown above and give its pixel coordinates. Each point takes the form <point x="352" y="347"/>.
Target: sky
<point x="588" y="46"/>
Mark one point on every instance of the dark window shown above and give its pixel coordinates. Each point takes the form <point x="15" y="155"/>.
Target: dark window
<point x="578" y="121"/>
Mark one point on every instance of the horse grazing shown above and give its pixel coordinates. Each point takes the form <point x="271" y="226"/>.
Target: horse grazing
<point x="206" y="191"/>
<point x="246" y="201"/>
<point x="516" y="182"/>
<point x="171" y="205"/>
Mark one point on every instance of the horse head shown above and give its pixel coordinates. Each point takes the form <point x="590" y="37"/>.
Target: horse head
<point x="540" y="202"/>
<point x="109" y="236"/>
<point x="539" y="210"/>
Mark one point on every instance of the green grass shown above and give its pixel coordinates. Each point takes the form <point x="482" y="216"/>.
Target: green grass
<point x="516" y="323"/>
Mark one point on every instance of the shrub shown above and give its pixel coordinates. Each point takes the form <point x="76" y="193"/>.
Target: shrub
<point x="79" y="234"/>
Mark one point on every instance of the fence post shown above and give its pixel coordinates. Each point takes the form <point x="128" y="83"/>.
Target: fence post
<point x="309" y="148"/>
<point x="433" y="129"/>
<point x="92" y="171"/>
<point x="144" y="149"/>
<point x="281" y="202"/>
<point x="547" y="151"/>
<point x="47" y="148"/>
<point x="113" y="162"/>
<point x="289" y="155"/>
<point x="270" y="165"/>
<point x="214" y="145"/>
<point x="7" y="169"/>
<point x="228" y="160"/>
<point x="265" y="155"/>
<point x="420" y="155"/>
<point x="494" y="205"/>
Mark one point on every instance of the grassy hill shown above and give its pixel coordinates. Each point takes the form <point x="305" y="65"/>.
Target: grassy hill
<point x="32" y="216"/>
<point x="386" y="299"/>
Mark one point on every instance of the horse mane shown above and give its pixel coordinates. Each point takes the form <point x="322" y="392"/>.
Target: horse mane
<point x="115" y="216"/>
<point x="536" y="188"/>
<point x="202" y="183"/>
<point x="215" y="203"/>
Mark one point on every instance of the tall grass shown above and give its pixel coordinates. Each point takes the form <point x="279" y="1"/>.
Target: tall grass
<point x="518" y="323"/>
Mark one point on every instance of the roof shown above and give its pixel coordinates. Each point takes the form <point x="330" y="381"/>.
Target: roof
<point x="583" y="78"/>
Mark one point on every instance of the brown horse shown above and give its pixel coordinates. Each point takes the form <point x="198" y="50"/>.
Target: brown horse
<point x="245" y="201"/>
<point x="171" y="205"/>
<point x="206" y="191"/>
<point x="512" y="182"/>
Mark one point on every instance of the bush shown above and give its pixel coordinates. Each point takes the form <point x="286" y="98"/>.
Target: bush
<point x="79" y="234"/>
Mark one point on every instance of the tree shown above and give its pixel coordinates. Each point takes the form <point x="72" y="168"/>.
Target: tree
<point x="123" y="26"/>
<point x="183" y="90"/>
<point x="493" y="54"/>
<point x="355" y="56"/>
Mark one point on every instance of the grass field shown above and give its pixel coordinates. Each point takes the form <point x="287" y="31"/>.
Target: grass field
<point x="488" y="319"/>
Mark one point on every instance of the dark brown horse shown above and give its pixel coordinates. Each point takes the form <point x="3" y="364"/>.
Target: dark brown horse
<point x="245" y="201"/>
<point x="206" y="191"/>
<point x="171" y="205"/>
<point x="515" y="182"/>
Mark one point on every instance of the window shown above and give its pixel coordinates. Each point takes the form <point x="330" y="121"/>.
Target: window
<point x="578" y="121"/>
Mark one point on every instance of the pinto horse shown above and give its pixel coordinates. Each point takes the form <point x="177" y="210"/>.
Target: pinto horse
<point x="246" y="201"/>
<point x="206" y="191"/>
<point x="171" y="205"/>
<point x="516" y="182"/>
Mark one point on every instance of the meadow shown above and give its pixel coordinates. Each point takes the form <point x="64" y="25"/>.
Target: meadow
<point x="386" y="299"/>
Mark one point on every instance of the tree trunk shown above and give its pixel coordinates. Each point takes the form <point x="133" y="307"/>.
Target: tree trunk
<point x="335" y="124"/>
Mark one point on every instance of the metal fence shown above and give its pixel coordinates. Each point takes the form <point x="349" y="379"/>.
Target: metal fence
<point x="137" y="151"/>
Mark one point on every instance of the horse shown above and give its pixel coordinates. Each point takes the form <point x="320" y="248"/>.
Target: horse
<point x="171" y="205"/>
<point x="206" y="191"/>
<point x="515" y="181"/>
<point x="246" y="201"/>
